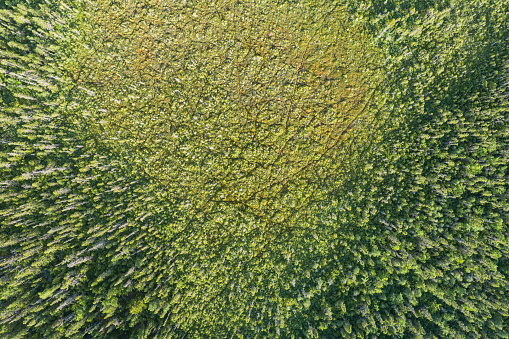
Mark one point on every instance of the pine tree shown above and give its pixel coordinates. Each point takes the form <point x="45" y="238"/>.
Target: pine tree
<point x="229" y="169"/>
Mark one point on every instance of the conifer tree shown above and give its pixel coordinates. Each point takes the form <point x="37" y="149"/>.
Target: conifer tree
<point x="251" y="169"/>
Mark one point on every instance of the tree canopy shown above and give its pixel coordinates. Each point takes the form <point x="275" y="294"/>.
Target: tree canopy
<point x="254" y="169"/>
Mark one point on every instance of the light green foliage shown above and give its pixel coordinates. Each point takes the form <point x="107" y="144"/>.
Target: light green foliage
<point x="248" y="106"/>
<point x="258" y="168"/>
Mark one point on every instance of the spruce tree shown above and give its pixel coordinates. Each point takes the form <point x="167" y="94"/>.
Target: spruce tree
<point x="251" y="169"/>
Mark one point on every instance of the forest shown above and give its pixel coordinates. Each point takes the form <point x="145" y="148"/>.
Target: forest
<point x="254" y="169"/>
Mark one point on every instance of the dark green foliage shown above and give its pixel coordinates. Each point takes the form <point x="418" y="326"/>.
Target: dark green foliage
<point x="409" y="240"/>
